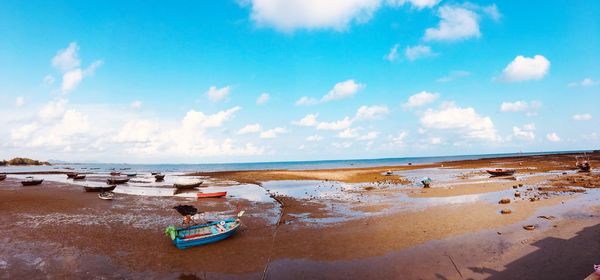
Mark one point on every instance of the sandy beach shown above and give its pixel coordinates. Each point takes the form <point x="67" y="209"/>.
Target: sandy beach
<point x="347" y="223"/>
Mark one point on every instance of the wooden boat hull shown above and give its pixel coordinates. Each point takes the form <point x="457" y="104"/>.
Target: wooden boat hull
<point x="99" y="189"/>
<point x="186" y="186"/>
<point x="72" y="175"/>
<point x="211" y="195"/>
<point x="79" y="177"/>
<point x="115" y="173"/>
<point x="132" y="175"/>
<point x="182" y="243"/>
<point x="117" y="181"/>
<point x="32" y="182"/>
<point x="159" y="177"/>
<point x="106" y="196"/>
<point x="2" y="177"/>
<point x="501" y="172"/>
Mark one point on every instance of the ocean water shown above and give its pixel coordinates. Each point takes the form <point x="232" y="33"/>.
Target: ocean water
<point x="291" y="165"/>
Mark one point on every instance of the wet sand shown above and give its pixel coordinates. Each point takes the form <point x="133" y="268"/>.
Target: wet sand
<point x="373" y="227"/>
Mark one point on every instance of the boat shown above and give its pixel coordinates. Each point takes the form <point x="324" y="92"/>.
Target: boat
<point x="190" y="185"/>
<point x="131" y="174"/>
<point x="155" y="173"/>
<point x="99" y="189"/>
<point x="106" y="195"/>
<point x="79" y="177"/>
<point x="203" y="234"/>
<point x="389" y="173"/>
<point x="159" y="177"/>
<point x="501" y="172"/>
<point x="30" y="181"/>
<point x="71" y="175"/>
<point x="583" y="164"/>
<point x="2" y="177"/>
<point x="209" y="195"/>
<point x="115" y="173"/>
<point x="117" y="181"/>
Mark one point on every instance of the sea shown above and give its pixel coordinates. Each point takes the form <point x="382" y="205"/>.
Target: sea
<point x="289" y="165"/>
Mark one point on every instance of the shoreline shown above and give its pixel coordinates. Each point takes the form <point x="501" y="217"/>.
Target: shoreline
<point x="336" y="230"/>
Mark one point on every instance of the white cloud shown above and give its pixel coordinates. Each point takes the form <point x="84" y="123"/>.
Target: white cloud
<point x="137" y="104"/>
<point x="343" y="90"/>
<point x="463" y="120"/>
<point x="90" y="70"/>
<point x="493" y="12"/>
<point x="393" y="54"/>
<point x="262" y="99"/>
<point x="49" y="80"/>
<point x="53" y="109"/>
<point x="67" y="59"/>
<point x="217" y="94"/>
<point x="71" y="79"/>
<point x="526" y="68"/>
<point x="582" y="117"/>
<point x="517" y="106"/>
<point x="250" y="128"/>
<point x="289" y="15"/>
<point x="314" y="138"/>
<point x="436" y="140"/>
<point x="137" y="131"/>
<point x="526" y="132"/>
<point x="305" y="100"/>
<point x="19" y="101"/>
<point x="418" y="4"/>
<point x="453" y="76"/>
<point x="335" y="125"/>
<point x="198" y="120"/>
<point x="348" y="133"/>
<point x="418" y="51"/>
<point x="23" y="132"/>
<point x="371" y="112"/>
<point x="342" y="145"/>
<point x="272" y="133"/>
<point x="398" y="140"/>
<point x="308" y="120"/>
<point x="371" y="135"/>
<point x="553" y="137"/>
<point x="420" y="99"/>
<point x="586" y="82"/>
<point x="456" y="23"/>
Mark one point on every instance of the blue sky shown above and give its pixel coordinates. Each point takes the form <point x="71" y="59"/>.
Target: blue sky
<point x="181" y="81"/>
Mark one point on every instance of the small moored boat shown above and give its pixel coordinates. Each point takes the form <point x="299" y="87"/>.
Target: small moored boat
<point x="154" y="173"/>
<point x="117" y="181"/>
<point x="159" y="177"/>
<point x="501" y="172"/>
<point x="209" y="195"/>
<point x="71" y="175"/>
<point x="207" y="233"/>
<point x="187" y="185"/>
<point x="79" y="177"/>
<point x="99" y="189"/>
<point x="114" y="173"/>
<point x="106" y="195"/>
<point x="31" y="181"/>
<point x="131" y="174"/>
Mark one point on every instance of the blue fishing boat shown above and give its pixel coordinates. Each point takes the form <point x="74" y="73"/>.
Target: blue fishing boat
<point x="202" y="234"/>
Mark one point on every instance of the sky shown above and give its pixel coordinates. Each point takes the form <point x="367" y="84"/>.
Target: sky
<point x="275" y="80"/>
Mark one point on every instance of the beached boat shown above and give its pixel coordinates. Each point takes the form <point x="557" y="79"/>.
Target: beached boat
<point x="187" y="185"/>
<point x="79" y="177"/>
<point x="501" y="172"/>
<point x="583" y="163"/>
<point x="117" y="181"/>
<point x="154" y="173"/>
<point x="114" y="173"/>
<point x="99" y="189"/>
<point x="106" y="195"/>
<point x="389" y="173"/>
<point x="159" y="177"/>
<point x="71" y="175"/>
<point x="209" y="195"/>
<point x="131" y="174"/>
<point x="30" y="181"/>
<point x="2" y="177"/>
<point x="207" y="233"/>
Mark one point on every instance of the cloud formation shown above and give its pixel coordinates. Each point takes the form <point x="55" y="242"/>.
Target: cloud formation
<point x="420" y="99"/>
<point x="526" y="68"/>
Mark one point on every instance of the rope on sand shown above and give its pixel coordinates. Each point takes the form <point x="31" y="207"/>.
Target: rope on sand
<point x="264" y="274"/>
<point x="455" y="266"/>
